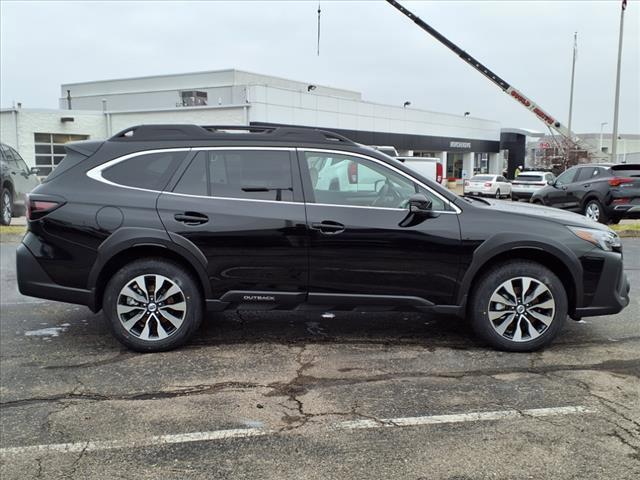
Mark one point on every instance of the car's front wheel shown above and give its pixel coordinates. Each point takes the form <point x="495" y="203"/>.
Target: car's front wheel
<point x="6" y="207"/>
<point x="153" y="305"/>
<point x="519" y="306"/>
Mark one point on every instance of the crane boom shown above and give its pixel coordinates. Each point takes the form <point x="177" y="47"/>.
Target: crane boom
<point x="549" y="120"/>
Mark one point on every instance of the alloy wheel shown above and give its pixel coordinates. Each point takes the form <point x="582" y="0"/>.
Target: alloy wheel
<point x="6" y="208"/>
<point x="592" y="211"/>
<point x="521" y="309"/>
<point x="151" y="307"/>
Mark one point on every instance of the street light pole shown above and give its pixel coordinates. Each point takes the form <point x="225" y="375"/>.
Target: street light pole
<point x="573" y="73"/>
<point x="614" y="134"/>
<point x="601" y="127"/>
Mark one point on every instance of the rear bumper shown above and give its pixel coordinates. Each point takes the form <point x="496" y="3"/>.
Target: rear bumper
<point x="33" y="281"/>
<point x="612" y="291"/>
<point x="626" y="211"/>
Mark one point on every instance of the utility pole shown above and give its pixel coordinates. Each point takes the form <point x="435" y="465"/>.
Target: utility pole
<point x="614" y="134"/>
<point x="573" y="73"/>
<point x="601" y="128"/>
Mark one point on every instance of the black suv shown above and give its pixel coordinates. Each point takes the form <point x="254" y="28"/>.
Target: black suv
<point x="606" y="193"/>
<point x="16" y="180"/>
<point x="161" y="223"/>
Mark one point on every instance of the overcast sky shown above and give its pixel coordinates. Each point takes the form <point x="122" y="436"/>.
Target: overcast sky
<point x="365" y="46"/>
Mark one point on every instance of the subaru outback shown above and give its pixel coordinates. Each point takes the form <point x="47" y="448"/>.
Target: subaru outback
<point x="161" y="224"/>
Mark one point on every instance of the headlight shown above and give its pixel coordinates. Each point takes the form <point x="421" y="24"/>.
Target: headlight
<point x="606" y="240"/>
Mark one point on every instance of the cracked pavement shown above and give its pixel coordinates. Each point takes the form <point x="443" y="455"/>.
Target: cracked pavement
<point x="297" y="374"/>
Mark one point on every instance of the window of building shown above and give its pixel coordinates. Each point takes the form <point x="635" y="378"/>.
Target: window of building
<point x="249" y="174"/>
<point x="454" y="165"/>
<point x="193" y="98"/>
<point x="50" y="149"/>
<point x="150" y="171"/>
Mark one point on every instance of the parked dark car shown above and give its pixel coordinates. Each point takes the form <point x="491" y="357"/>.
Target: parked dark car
<point x="17" y="180"/>
<point x="606" y="193"/>
<point x="161" y="223"/>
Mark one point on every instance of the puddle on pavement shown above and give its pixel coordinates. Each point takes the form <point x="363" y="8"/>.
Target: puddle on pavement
<point x="48" y="332"/>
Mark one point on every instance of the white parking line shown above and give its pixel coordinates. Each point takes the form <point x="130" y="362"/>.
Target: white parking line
<point x="159" y="440"/>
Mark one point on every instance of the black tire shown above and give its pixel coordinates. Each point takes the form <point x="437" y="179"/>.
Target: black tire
<point x="614" y="221"/>
<point x="6" y="207"/>
<point x="498" y="193"/>
<point x="479" y="305"/>
<point x="593" y="209"/>
<point x="176" y="274"/>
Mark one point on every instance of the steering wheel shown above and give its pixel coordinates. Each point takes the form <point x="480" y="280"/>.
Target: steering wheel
<point x="387" y="195"/>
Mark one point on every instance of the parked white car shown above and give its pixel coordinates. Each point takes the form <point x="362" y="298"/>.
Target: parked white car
<point x="428" y="167"/>
<point x="528" y="183"/>
<point x="487" y="185"/>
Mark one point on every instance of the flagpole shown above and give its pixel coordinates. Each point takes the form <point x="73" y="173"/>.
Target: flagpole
<point x="573" y="72"/>
<point x="614" y="134"/>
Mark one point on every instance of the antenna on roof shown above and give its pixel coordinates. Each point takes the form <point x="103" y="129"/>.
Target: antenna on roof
<point x="318" y="50"/>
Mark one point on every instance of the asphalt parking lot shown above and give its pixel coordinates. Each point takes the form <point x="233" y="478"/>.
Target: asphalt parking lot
<point x="298" y="396"/>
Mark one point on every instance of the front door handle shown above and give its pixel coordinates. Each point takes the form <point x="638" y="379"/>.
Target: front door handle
<point x="191" y="218"/>
<point x="328" y="227"/>
<point x="586" y="185"/>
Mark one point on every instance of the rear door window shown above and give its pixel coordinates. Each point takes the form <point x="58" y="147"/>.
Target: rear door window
<point x="150" y="171"/>
<point x="247" y="174"/>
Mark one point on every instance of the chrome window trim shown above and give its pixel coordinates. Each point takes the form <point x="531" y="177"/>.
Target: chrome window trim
<point x="456" y="209"/>
<point x="96" y="174"/>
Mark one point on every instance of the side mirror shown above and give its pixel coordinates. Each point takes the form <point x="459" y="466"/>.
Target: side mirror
<point x="419" y="203"/>
<point x="34" y="171"/>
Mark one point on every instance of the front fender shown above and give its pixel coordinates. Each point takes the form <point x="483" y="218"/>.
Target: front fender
<point x="508" y="242"/>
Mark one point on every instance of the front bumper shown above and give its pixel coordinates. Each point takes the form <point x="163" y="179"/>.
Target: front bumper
<point x="33" y="281"/>
<point x="611" y="292"/>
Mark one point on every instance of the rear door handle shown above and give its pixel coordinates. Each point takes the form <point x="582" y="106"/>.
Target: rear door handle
<point x="328" y="227"/>
<point x="191" y="218"/>
<point x="586" y="185"/>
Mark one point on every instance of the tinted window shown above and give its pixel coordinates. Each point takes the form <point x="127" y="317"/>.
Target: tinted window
<point x="568" y="176"/>
<point x="527" y="177"/>
<point x="353" y="181"/>
<point x="587" y="173"/>
<point x="482" y="178"/>
<point x="251" y="174"/>
<point x="149" y="170"/>
<point x="626" y="170"/>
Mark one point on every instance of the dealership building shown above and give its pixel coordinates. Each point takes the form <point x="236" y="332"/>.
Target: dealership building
<point x="99" y="109"/>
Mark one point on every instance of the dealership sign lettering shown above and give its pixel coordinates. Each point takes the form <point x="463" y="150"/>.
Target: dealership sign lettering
<point x="459" y="144"/>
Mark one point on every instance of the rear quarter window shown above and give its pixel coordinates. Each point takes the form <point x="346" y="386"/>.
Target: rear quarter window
<point x="150" y="171"/>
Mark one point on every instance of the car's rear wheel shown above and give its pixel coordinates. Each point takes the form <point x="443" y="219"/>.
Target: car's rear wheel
<point x="153" y="305"/>
<point x="593" y="210"/>
<point x="6" y="207"/>
<point x="498" y="193"/>
<point x="518" y="306"/>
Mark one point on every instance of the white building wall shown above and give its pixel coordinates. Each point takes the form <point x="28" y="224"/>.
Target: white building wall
<point x="31" y="121"/>
<point x="278" y="105"/>
<point x="8" y="128"/>
<point x="197" y="115"/>
<point x="163" y="91"/>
